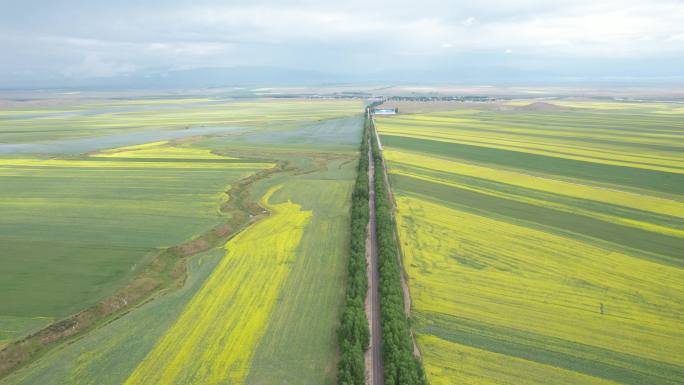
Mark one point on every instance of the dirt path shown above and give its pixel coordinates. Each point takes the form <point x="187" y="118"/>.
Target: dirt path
<point x="374" y="368"/>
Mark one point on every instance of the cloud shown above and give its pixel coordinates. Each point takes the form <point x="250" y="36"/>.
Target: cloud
<point x="94" y="66"/>
<point x="470" y="21"/>
<point x="100" y="38"/>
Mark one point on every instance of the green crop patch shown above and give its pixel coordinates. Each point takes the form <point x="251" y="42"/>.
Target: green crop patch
<point x="73" y="235"/>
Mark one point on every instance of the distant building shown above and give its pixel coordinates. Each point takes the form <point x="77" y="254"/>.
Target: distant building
<point x="385" y="111"/>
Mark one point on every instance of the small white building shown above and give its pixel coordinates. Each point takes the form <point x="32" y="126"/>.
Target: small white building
<point x="385" y="111"/>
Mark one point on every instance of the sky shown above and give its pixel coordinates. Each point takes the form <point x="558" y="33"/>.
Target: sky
<point x="76" y="41"/>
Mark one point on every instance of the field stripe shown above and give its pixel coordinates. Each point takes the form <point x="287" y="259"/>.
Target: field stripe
<point x="129" y="164"/>
<point x="614" y="146"/>
<point x="653" y="180"/>
<point x="449" y="363"/>
<point x="546" y="183"/>
<point x="554" y="352"/>
<point x="665" y="247"/>
<point x="554" y="150"/>
<point x="674" y="228"/>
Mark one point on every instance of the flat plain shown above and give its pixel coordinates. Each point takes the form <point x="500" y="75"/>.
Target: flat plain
<point x="543" y="242"/>
<point x="123" y="204"/>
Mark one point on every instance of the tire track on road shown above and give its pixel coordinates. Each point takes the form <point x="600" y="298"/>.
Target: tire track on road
<point x="374" y="367"/>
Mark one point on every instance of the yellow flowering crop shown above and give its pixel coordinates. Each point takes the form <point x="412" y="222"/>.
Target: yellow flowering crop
<point x="84" y="163"/>
<point x="160" y="150"/>
<point x="511" y="276"/>
<point x="452" y="132"/>
<point x="446" y="361"/>
<point x="215" y="337"/>
<point x="543" y="183"/>
<point x="507" y="286"/>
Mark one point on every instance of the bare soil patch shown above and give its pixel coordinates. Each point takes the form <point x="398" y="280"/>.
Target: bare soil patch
<point x="541" y="106"/>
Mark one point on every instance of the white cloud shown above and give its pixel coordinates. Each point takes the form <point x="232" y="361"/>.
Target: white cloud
<point x="470" y="21"/>
<point x="94" y="66"/>
<point x="579" y="28"/>
<point x="602" y="29"/>
<point x="332" y="34"/>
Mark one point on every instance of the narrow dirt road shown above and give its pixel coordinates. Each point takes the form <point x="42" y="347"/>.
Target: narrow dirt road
<point x="374" y="368"/>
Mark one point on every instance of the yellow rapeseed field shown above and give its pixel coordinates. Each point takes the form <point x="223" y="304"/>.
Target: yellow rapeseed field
<point x="148" y="152"/>
<point x="160" y="150"/>
<point x="85" y="163"/>
<point x="215" y="337"/>
<point x="513" y="276"/>
<point x="537" y="182"/>
<point x="542" y="276"/>
<point x="452" y="132"/>
<point x="446" y="361"/>
<point x="628" y="199"/>
<point x="523" y="270"/>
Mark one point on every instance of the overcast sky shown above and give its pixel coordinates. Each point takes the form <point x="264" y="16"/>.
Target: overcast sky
<point x="78" y="39"/>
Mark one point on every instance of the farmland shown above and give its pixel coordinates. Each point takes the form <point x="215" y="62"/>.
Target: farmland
<point x="93" y="118"/>
<point x="542" y="242"/>
<point x="67" y="245"/>
<point x="207" y="240"/>
<point x="165" y="189"/>
<point x="210" y="331"/>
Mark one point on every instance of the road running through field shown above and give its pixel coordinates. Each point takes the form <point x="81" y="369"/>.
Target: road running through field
<point x="374" y="368"/>
<point x="374" y="354"/>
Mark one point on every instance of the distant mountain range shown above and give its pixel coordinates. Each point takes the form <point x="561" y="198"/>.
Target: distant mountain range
<point x="461" y="73"/>
<point x="170" y="78"/>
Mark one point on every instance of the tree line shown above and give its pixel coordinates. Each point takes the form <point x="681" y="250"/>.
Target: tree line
<point x="400" y="364"/>
<point x="353" y="333"/>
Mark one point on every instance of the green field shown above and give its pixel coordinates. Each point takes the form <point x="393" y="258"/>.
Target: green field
<point x="80" y="226"/>
<point x="75" y="230"/>
<point x="92" y="118"/>
<point x="543" y="246"/>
